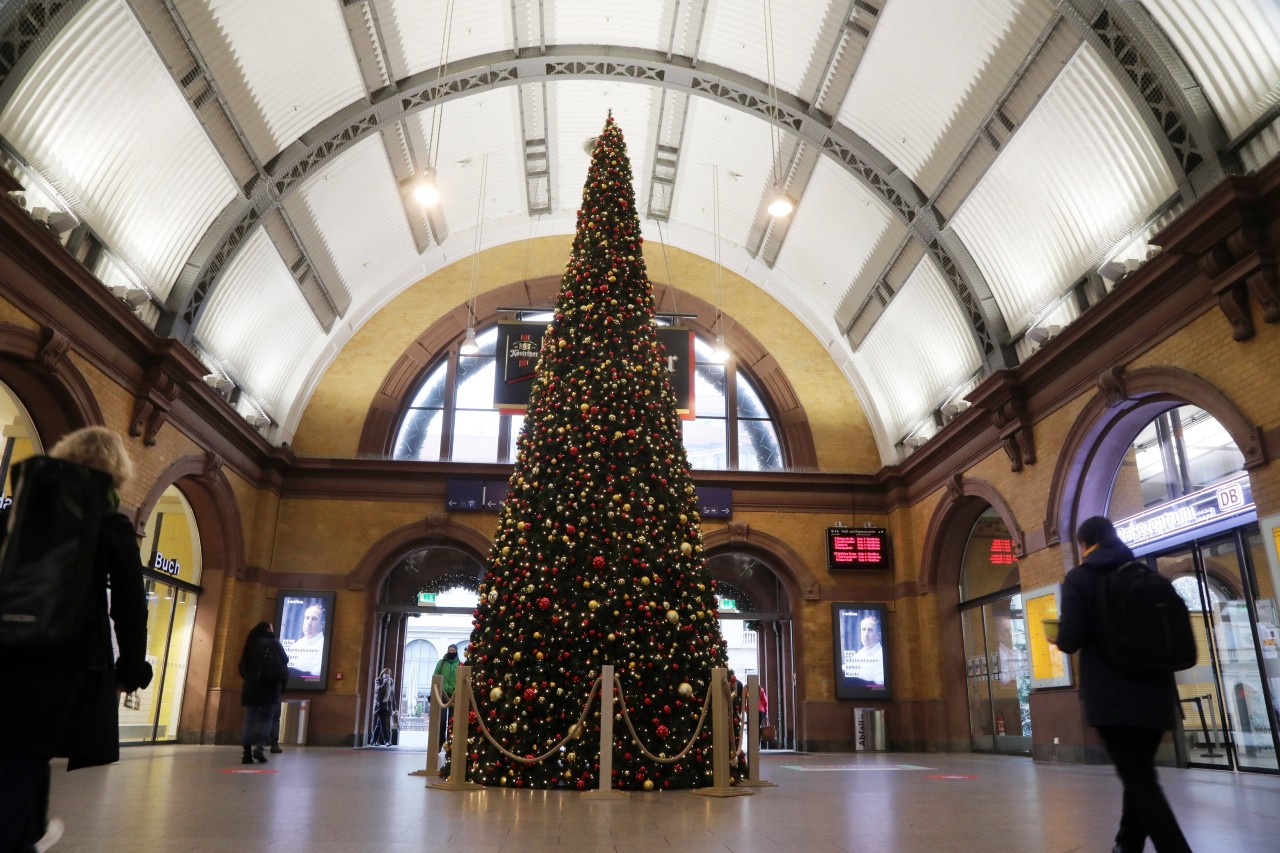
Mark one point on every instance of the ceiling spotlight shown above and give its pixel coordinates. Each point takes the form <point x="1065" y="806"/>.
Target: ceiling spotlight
<point x="955" y="407"/>
<point x="469" y="344"/>
<point x="914" y="441"/>
<point x="425" y="191"/>
<point x="257" y="420"/>
<point x="134" y="297"/>
<point x="1040" y="334"/>
<point x="219" y="383"/>
<point x="781" y="203"/>
<point x="721" y="352"/>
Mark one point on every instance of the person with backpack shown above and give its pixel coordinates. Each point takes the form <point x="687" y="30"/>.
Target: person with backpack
<point x="1131" y="710"/>
<point x="60" y="682"/>
<point x="264" y="666"/>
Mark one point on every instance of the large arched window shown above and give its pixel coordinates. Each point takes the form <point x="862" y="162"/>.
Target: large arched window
<point x="451" y="416"/>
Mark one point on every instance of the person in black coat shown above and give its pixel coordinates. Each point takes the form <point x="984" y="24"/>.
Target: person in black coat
<point x="63" y="702"/>
<point x="1130" y="712"/>
<point x="384" y="690"/>
<point x="264" y="666"/>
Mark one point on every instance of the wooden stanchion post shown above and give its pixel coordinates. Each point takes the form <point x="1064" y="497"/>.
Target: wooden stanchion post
<point x="753" y="779"/>
<point x="721" y="711"/>
<point x="606" y="789"/>
<point x="457" y="780"/>
<point x="433" y="729"/>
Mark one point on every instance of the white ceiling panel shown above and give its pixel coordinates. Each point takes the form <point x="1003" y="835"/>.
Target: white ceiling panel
<point x="636" y="23"/>
<point x="354" y="203"/>
<point x="917" y="84"/>
<point x="470" y="128"/>
<point x="578" y="109"/>
<point x="837" y="210"/>
<point x="920" y="351"/>
<point x="124" y="149"/>
<point x="259" y="326"/>
<point x="416" y="36"/>
<point x="1079" y="173"/>
<point x="1233" y="49"/>
<point x="739" y="145"/>
<point x="278" y="88"/>
<point x="735" y="38"/>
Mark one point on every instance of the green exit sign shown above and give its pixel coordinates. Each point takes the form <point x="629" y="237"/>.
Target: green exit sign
<point x="728" y="603"/>
<point x="426" y="598"/>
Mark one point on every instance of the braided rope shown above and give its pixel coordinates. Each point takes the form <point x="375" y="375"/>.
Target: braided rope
<point x="626" y="716"/>
<point x="595" y="687"/>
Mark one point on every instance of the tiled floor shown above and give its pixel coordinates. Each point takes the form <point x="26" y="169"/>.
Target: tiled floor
<point x="186" y="798"/>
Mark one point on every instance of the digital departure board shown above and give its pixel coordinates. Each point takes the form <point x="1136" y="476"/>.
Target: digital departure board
<point x="857" y="548"/>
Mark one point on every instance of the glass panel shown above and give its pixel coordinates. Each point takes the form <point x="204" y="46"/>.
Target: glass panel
<point x="517" y="424"/>
<point x="488" y="341"/>
<point x="170" y="542"/>
<point x="475" y="436"/>
<point x="989" y="562"/>
<point x="1239" y="660"/>
<point x="1202" y="714"/>
<point x="758" y="448"/>
<point x="749" y="402"/>
<point x="137" y="719"/>
<point x="1179" y="452"/>
<point x="419" y="436"/>
<point x="981" y="723"/>
<point x="708" y="391"/>
<point x="1267" y="611"/>
<point x="431" y="394"/>
<point x="19" y="437"/>
<point x="1010" y="674"/>
<point x="175" y="665"/>
<point x="475" y="383"/>
<point x="704" y="441"/>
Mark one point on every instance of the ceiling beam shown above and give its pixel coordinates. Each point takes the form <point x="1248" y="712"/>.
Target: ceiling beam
<point x="825" y="86"/>
<point x="378" y="69"/>
<point x="178" y="51"/>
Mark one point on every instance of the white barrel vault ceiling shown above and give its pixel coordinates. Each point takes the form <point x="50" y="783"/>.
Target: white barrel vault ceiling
<point x="960" y="167"/>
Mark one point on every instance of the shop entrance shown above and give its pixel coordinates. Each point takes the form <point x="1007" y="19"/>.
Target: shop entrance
<point x="1228" y="699"/>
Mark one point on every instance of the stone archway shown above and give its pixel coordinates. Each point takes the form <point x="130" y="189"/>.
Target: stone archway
<point x="213" y="503"/>
<point x="35" y="366"/>
<point x="1104" y="430"/>
<point x="953" y="520"/>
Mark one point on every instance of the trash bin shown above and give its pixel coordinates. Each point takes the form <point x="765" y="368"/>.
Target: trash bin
<point x="868" y="733"/>
<point x="293" y="721"/>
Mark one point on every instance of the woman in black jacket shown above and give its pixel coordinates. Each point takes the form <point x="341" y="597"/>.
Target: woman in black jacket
<point x="1130" y="712"/>
<point x="63" y="701"/>
<point x="264" y="666"/>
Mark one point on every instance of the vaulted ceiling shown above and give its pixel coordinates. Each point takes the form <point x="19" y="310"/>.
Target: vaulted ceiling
<point x="968" y="174"/>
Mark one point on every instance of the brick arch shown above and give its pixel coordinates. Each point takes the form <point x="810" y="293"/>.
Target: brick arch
<point x="945" y="539"/>
<point x="398" y="386"/>
<point x="35" y="366"/>
<point x="433" y="531"/>
<point x="966" y="499"/>
<point x="787" y="565"/>
<point x="213" y="503"/>
<point x="1106" y="427"/>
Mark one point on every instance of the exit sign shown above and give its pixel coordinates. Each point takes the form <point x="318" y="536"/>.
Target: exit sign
<point x="426" y="598"/>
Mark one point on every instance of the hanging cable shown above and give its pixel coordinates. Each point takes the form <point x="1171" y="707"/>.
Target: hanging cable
<point x="721" y="352"/>
<point x="469" y="343"/>
<point x="779" y="204"/>
<point x="437" y="112"/>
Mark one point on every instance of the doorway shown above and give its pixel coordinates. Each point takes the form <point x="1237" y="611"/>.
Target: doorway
<point x="1227" y="699"/>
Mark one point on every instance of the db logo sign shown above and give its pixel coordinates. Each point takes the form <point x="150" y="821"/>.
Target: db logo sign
<point x="1231" y="497"/>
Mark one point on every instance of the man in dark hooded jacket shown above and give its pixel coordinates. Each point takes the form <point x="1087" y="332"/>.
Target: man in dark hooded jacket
<point x="264" y="666"/>
<point x="1130" y="712"/>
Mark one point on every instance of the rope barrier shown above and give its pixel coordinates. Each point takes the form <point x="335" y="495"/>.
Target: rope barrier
<point x="644" y="750"/>
<point x="595" y="687"/>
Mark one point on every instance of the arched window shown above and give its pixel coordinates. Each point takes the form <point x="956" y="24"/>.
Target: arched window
<point x="451" y="416"/>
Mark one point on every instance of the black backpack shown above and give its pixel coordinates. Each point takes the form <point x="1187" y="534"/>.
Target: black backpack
<point x="47" y="559"/>
<point x="1146" y="627"/>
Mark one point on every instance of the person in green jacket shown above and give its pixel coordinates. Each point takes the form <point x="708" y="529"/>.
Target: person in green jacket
<point x="447" y="669"/>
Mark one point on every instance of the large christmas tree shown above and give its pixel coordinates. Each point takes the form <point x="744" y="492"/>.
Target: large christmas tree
<point x="598" y="555"/>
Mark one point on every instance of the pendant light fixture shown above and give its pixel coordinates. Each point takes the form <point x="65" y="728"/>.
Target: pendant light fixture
<point x="780" y="204"/>
<point x="721" y="352"/>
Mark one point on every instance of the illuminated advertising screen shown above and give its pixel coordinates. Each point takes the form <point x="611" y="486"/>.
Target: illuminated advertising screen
<point x="303" y="626"/>
<point x="857" y="548"/>
<point x="861" y="656"/>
